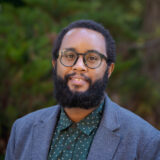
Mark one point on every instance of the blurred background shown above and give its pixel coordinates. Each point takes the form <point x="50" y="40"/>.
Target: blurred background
<point x="28" y="29"/>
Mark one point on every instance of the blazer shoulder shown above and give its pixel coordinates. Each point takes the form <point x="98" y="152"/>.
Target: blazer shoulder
<point x="37" y="116"/>
<point x="138" y="138"/>
<point x="130" y="121"/>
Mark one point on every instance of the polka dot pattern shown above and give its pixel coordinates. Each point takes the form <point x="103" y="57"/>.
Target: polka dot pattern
<point x="72" y="141"/>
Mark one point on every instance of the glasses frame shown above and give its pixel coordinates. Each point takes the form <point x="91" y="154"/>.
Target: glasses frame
<point x="83" y="55"/>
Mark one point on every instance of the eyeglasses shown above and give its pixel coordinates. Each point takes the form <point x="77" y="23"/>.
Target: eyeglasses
<point x="92" y="59"/>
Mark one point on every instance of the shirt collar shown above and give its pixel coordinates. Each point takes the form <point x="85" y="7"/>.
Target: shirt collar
<point x="91" y="122"/>
<point x="64" y="121"/>
<point x="86" y="125"/>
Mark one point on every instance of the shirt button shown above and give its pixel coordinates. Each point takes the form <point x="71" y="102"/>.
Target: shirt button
<point x="68" y="147"/>
<point x="74" y="125"/>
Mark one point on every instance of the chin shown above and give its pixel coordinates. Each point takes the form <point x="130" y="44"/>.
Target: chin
<point x="78" y="89"/>
<point x="84" y="96"/>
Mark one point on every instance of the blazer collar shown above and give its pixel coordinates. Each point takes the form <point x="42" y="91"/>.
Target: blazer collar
<point x="42" y="135"/>
<point x="104" y="143"/>
<point x="106" y="140"/>
<point x="110" y="118"/>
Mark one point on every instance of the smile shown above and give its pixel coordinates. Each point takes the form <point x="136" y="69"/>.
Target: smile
<point x="76" y="80"/>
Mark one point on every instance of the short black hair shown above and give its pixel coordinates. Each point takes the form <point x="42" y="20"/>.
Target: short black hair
<point x="89" y="24"/>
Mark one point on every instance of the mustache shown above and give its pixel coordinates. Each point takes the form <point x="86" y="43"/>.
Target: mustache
<point x="73" y="74"/>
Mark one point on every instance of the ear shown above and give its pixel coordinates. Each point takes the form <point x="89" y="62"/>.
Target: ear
<point x="110" y="69"/>
<point x="53" y="63"/>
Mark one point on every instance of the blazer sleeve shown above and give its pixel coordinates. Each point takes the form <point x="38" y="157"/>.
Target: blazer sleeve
<point x="152" y="149"/>
<point x="11" y="144"/>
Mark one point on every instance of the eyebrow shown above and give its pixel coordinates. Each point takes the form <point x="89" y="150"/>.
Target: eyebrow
<point x="71" y="49"/>
<point x="90" y="50"/>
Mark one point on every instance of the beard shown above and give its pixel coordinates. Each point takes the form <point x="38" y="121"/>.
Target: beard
<point x="88" y="99"/>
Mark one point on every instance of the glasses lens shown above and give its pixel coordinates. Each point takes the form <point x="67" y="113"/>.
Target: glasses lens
<point x="68" y="57"/>
<point x="92" y="59"/>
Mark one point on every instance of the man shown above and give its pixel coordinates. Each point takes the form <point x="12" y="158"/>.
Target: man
<point x="85" y="124"/>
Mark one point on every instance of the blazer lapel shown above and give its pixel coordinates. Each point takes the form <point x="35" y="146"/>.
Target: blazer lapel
<point x="104" y="145"/>
<point x="42" y="136"/>
<point x="106" y="140"/>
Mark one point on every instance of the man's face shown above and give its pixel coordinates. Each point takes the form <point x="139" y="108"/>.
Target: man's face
<point x="82" y="40"/>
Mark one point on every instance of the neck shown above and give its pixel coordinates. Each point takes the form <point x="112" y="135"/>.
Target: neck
<point x="77" y="114"/>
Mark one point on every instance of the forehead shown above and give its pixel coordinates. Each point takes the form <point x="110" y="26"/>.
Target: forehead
<point x="82" y="39"/>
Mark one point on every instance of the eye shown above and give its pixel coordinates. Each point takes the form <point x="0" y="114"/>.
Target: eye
<point x="92" y="58"/>
<point x="69" y="55"/>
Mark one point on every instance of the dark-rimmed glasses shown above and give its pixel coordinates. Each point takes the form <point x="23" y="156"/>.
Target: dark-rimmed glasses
<point x="92" y="59"/>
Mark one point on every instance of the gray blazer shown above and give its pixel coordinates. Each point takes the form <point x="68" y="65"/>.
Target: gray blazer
<point x="122" y="135"/>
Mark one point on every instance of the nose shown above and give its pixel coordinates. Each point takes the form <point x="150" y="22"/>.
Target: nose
<point x="79" y="65"/>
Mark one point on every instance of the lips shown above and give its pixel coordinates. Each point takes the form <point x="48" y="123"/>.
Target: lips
<point x="77" y="80"/>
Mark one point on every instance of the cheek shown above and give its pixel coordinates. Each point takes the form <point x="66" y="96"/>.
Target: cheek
<point x="62" y="70"/>
<point x="98" y="73"/>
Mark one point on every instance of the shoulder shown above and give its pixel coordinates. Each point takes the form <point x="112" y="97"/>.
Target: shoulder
<point x="36" y="116"/>
<point x="137" y="136"/>
<point x="133" y="121"/>
<point x="129" y="122"/>
<point x="139" y="133"/>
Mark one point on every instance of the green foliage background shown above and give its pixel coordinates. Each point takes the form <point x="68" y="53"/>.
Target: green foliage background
<point x="27" y="31"/>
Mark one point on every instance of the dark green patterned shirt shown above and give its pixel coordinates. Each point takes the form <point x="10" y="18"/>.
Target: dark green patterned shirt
<point x="72" y="141"/>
